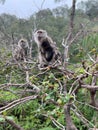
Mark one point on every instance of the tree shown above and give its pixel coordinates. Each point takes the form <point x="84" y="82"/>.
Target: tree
<point x="90" y="7"/>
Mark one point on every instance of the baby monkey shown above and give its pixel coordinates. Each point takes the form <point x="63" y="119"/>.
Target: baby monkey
<point x="47" y="50"/>
<point x="21" y="50"/>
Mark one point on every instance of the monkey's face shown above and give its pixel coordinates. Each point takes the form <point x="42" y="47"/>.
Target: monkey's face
<point x="40" y="34"/>
<point x="23" y="43"/>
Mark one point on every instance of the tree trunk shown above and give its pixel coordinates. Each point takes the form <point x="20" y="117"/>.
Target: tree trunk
<point x="72" y="15"/>
<point x="69" y="123"/>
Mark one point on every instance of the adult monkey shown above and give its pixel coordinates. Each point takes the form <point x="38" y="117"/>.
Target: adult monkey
<point x="47" y="50"/>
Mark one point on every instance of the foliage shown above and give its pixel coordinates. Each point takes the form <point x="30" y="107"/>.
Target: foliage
<point x="21" y="101"/>
<point x="90" y="8"/>
<point x="37" y="113"/>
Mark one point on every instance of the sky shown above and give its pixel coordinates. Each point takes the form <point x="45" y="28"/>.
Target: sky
<point x="25" y="8"/>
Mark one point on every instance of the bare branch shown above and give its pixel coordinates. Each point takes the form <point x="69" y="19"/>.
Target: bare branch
<point x="17" y="102"/>
<point x="90" y="87"/>
<point x="13" y="124"/>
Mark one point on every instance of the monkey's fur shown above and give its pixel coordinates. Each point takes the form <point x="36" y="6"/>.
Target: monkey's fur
<point x="21" y="50"/>
<point x="47" y="50"/>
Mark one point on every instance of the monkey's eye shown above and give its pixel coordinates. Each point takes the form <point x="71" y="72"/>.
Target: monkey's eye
<point x="22" y="41"/>
<point x="39" y="32"/>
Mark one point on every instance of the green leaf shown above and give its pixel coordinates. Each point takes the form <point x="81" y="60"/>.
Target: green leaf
<point x="2" y="119"/>
<point x="10" y="117"/>
<point x="51" y="75"/>
<point x="48" y="97"/>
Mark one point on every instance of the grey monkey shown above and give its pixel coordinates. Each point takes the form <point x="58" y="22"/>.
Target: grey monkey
<point x="48" y="53"/>
<point x="21" y="50"/>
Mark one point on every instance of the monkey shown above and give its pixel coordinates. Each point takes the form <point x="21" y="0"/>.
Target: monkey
<point x="49" y="54"/>
<point x="21" y="50"/>
<point x="47" y="50"/>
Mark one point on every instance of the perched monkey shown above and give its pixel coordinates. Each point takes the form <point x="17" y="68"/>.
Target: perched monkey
<point x="47" y="50"/>
<point x="21" y="50"/>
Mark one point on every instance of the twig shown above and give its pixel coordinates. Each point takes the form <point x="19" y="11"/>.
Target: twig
<point x="90" y="87"/>
<point x="80" y="115"/>
<point x="13" y="124"/>
<point x="42" y="4"/>
<point x="17" y="102"/>
<point x="56" y="123"/>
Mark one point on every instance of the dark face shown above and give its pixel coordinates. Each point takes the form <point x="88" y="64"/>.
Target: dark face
<point x="23" y="43"/>
<point x="39" y="35"/>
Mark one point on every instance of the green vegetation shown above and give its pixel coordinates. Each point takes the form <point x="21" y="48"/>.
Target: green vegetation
<point x="40" y="104"/>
